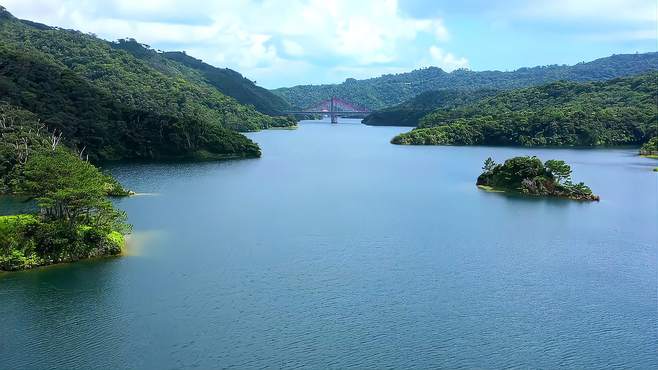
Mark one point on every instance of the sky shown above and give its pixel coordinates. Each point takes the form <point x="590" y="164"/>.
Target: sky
<point x="289" y="42"/>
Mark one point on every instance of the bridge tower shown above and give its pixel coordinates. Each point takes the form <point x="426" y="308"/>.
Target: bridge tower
<point x="334" y="108"/>
<point x="332" y="111"/>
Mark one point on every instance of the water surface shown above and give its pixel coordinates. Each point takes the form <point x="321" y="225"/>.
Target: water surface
<point x="337" y="249"/>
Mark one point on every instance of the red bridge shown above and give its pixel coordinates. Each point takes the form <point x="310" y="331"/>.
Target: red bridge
<point x="334" y="108"/>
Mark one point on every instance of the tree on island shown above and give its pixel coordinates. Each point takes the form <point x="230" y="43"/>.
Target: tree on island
<point x="650" y="148"/>
<point x="69" y="190"/>
<point x="489" y="165"/>
<point x="560" y="170"/>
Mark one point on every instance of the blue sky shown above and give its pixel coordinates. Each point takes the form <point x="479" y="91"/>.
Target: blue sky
<point x="284" y="43"/>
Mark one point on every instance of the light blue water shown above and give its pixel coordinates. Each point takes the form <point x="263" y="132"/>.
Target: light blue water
<point x="337" y="249"/>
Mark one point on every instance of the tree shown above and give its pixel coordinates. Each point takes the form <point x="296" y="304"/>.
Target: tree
<point x="560" y="170"/>
<point x="650" y="147"/>
<point x="68" y="189"/>
<point x="489" y="165"/>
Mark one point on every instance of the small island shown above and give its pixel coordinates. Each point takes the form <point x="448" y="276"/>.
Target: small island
<point x="73" y="218"/>
<point x="650" y="150"/>
<point x="528" y="175"/>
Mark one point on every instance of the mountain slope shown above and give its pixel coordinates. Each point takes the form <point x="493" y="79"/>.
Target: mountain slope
<point x="227" y="81"/>
<point x="114" y="104"/>
<point x="410" y="112"/>
<point x="389" y="90"/>
<point x="89" y="118"/>
<point x="621" y="111"/>
<point x="233" y="84"/>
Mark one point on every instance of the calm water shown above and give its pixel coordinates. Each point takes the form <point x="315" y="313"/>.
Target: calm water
<point x="337" y="249"/>
<point x="10" y="205"/>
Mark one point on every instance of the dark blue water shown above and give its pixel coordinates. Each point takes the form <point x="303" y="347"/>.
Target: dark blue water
<point x="337" y="249"/>
<point x="10" y="205"/>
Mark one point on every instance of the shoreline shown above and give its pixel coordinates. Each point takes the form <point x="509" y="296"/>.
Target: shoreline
<point x="491" y="189"/>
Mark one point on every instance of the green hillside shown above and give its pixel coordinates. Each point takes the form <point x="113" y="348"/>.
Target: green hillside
<point x="232" y="83"/>
<point x="227" y="81"/>
<point x="410" y="112"/>
<point x="116" y="105"/>
<point x="622" y="111"/>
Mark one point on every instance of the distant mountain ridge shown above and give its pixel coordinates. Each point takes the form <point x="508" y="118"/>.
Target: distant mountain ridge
<point x="389" y="90"/>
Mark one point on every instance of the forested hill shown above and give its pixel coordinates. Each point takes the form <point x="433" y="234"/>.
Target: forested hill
<point x="621" y="111"/>
<point x="389" y="90"/>
<point x="410" y="112"/>
<point x="116" y="105"/>
<point x="227" y="81"/>
<point x="234" y="84"/>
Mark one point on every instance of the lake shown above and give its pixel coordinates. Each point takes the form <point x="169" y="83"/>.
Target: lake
<point x="337" y="249"/>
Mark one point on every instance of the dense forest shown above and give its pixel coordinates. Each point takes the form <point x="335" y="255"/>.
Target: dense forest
<point x="75" y="219"/>
<point x="227" y="81"/>
<point x="233" y="84"/>
<point x="621" y="111"/>
<point x="390" y="90"/>
<point x="116" y="105"/>
<point x="528" y="175"/>
<point x="410" y="112"/>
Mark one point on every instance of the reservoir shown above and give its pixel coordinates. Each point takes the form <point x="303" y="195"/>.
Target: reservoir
<point x="337" y="249"/>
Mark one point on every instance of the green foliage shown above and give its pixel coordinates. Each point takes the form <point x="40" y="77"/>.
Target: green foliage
<point x="392" y="89"/>
<point x="68" y="189"/>
<point x="117" y="239"/>
<point x="26" y="242"/>
<point x="233" y="84"/>
<point x="226" y="81"/>
<point x="489" y="165"/>
<point x="650" y="148"/>
<point x="410" y="112"/>
<point x="75" y="218"/>
<point x="17" y="251"/>
<point x="559" y="169"/>
<point x="115" y="105"/>
<point x="617" y="112"/>
<point x="22" y="136"/>
<point x="528" y="175"/>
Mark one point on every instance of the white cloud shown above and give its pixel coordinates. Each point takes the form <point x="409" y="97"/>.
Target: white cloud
<point x="440" y="30"/>
<point x="292" y="48"/>
<point x="257" y="36"/>
<point x="447" y="61"/>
